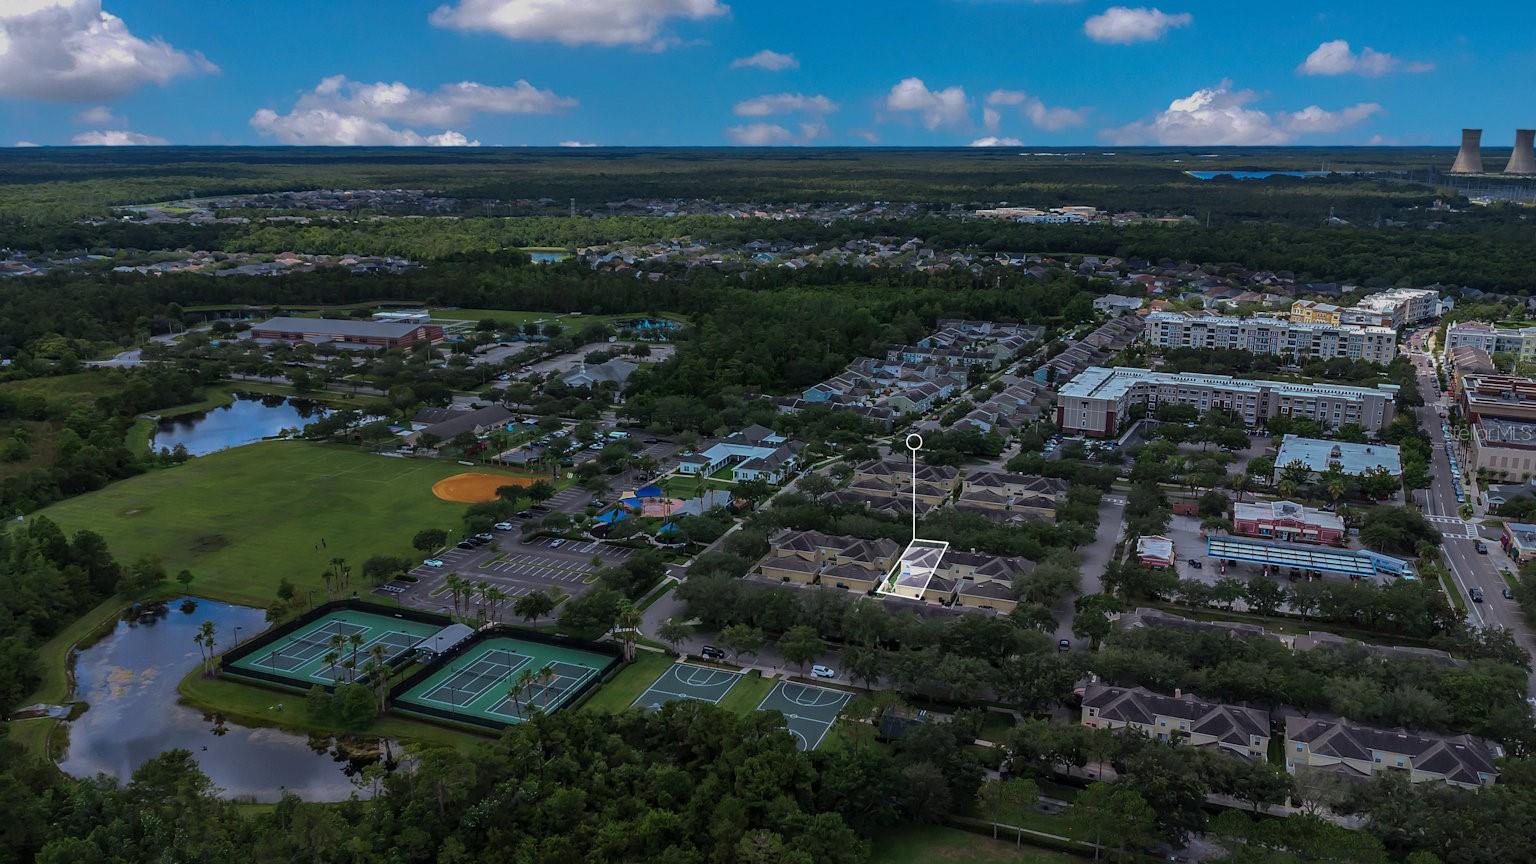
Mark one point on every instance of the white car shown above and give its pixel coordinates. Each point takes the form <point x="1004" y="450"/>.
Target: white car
<point x="822" y="672"/>
<point x="503" y="526"/>
<point x="433" y="562"/>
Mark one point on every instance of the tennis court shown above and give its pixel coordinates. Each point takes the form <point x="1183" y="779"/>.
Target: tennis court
<point x="687" y="681"/>
<point x="504" y="680"/>
<point x="318" y="652"/>
<point x="809" y="711"/>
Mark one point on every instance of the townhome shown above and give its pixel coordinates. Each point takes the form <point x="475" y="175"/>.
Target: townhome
<point x="1180" y="718"/>
<point x="1358" y="751"/>
<point x="807" y="557"/>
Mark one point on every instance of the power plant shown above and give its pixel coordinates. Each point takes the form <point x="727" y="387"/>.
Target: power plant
<point x="1523" y="159"/>
<point x="1469" y="159"/>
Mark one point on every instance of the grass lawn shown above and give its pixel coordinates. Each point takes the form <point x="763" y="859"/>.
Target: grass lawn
<point x="748" y="693"/>
<point x="258" y="706"/>
<point x="625" y="687"/>
<point x="936" y="843"/>
<point x="245" y="518"/>
<point x="80" y="386"/>
<point x="32" y="735"/>
<point x="687" y="486"/>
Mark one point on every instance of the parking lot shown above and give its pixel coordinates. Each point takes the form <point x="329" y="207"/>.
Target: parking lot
<point x="515" y="567"/>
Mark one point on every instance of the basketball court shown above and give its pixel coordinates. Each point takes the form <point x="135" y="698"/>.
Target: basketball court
<point x="687" y="681"/>
<point x="808" y="710"/>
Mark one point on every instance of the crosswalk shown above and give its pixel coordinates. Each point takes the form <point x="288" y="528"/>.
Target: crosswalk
<point x="1457" y="527"/>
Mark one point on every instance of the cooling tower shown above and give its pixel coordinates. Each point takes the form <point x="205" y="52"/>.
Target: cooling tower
<point x="1469" y="159"/>
<point x="1523" y="160"/>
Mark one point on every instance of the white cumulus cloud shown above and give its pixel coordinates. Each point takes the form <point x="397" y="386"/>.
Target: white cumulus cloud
<point x="994" y="141"/>
<point x="1040" y="115"/>
<point x="577" y="144"/>
<point x="100" y="115"/>
<point x="935" y="108"/>
<point x="116" y="138"/>
<point x="640" y="23"/>
<point x="26" y="144"/>
<point x="1122" y="25"/>
<point x="352" y="113"/>
<point x="1221" y="115"/>
<point x="759" y="135"/>
<point x="769" y="61"/>
<point x="1337" y="58"/>
<point x="784" y="103"/>
<point x="72" y="51"/>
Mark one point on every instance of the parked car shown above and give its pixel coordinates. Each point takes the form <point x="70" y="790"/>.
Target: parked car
<point x="556" y="543"/>
<point x="503" y="526"/>
<point x="1196" y="563"/>
<point x="525" y="514"/>
<point x="1064" y="645"/>
<point x="465" y="544"/>
<point x="712" y="652"/>
<point x="1509" y="593"/>
<point x="822" y="672"/>
<point x="486" y="537"/>
<point x="433" y="562"/>
<point x="1477" y="594"/>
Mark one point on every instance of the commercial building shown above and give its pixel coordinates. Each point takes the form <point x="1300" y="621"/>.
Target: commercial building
<point x="1519" y="541"/>
<point x="1361" y="752"/>
<point x="1180" y="718"/>
<point x="1507" y="396"/>
<point x="1520" y="341"/>
<point x="1297" y="560"/>
<point x="1288" y="521"/>
<point x="345" y="331"/>
<point x="1155" y="550"/>
<point x="754" y="453"/>
<point x="1098" y="401"/>
<point x="1264" y="335"/>
<point x="1353" y="459"/>
<point x="1313" y="312"/>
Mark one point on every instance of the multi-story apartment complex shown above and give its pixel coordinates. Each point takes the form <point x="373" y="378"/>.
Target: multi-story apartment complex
<point x="1265" y="335"/>
<point x="1494" y="340"/>
<point x="1395" y="308"/>
<point x="1360" y="751"/>
<point x="1098" y="400"/>
<point x="1179" y="718"/>
<point x="1405" y="305"/>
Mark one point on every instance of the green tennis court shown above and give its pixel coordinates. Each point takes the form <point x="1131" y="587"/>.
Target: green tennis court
<point x="318" y="652"/>
<point x="504" y="680"/>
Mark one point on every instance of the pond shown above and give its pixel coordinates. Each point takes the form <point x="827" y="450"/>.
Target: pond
<point x="129" y="680"/>
<point x="548" y="257"/>
<point x="248" y="419"/>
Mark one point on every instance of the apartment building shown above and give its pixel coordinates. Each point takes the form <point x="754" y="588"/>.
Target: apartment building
<point x="1359" y="751"/>
<point x="1098" y="401"/>
<point x="1405" y="305"/>
<point x="1265" y="335"/>
<point x="1494" y="340"/>
<point x="1180" y="718"/>
<point x="1313" y="312"/>
<point x="808" y="557"/>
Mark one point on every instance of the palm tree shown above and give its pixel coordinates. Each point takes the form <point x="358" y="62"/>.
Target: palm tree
<point x="330" y="660"/>
<point x="515" y="695"/>
<point x="546" y="676"/>
<point x="524" y="681"/>
<point x="380" y="675"/>
<point x="627" y="626"/>
<point x="354" y="641"/>
<point x="455" y="585"/>
<point x="206" y="646"/>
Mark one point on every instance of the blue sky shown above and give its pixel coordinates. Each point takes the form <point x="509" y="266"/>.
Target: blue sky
<point x="840" y="72"/>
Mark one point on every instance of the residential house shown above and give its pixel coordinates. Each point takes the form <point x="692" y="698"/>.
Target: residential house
<point x="1180" y="718"/>
<point x="1358" y="751"/>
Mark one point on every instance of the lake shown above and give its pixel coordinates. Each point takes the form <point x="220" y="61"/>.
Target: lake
<point x="248" y="419"/>
<point x="1253" y="175"/>
<point x="129" y="680"/>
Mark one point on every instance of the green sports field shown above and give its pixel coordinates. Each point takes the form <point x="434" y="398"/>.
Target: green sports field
<point x="301" y="656"/>
<point x="481" y="684"/>
<point x="243" y="519"/>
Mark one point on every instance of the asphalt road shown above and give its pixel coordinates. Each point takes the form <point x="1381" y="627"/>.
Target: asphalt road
<point x="1468" y="567"/>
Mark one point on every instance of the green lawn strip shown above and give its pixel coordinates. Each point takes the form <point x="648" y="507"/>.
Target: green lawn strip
<point x="626" y="686"/>
<point x="937" y="843"/>
<point x="243" y="519"/>
<point x="32" y="735"/>
<point x="656" y="595"/>
<point x="995" y="726"/>
<point x="53" y="655"/>
<point x="1452" y="591"/>
<point x="257" y="706"/>
<point x="78" y="386"/>
<point x="748" y="693"/>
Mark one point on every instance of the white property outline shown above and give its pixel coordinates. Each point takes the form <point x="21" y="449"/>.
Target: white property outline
<point x="920" y="560"/>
